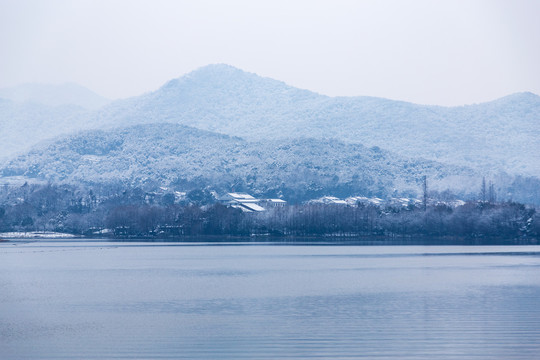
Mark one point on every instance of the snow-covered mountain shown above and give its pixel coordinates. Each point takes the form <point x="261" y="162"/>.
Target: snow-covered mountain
<point x="461" y="144"/>
<point x="503" y="135"/>
<point x="54" y="95"/>
<point x="185" y="158"/>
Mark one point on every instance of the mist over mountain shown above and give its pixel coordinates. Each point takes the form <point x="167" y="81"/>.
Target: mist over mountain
<point x="22" y="125"/>
<point x="30" y="113"/>
<point x="54" y="95"/>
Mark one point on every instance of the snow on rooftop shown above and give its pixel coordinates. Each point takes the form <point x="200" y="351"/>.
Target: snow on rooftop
<point x="238" y="206"/>
<point x="333" y="198"/>
<point x="241" y="196"/>
<point x="252" y="207"/>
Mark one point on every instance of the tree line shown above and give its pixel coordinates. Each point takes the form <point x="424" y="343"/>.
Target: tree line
<point x="136" y="213"/>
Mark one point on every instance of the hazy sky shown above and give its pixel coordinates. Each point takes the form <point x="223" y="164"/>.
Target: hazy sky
<point x="431" y="52"/>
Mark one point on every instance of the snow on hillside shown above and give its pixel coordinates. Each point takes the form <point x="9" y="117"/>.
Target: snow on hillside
<point x="503" y="135"/>
<point x="167" y="154"/>
<point x="309" y="138"/>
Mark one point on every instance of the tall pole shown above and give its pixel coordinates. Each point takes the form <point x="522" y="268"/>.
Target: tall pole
<point x="425" y="193"/>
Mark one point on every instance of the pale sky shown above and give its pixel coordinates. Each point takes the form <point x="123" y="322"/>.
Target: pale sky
<point x="430" y="52"/>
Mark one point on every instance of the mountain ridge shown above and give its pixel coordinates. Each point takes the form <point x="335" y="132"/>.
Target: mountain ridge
<point x="498" y="136"/>
<point x="225" y="99"/>
<point x="221" y="68"/>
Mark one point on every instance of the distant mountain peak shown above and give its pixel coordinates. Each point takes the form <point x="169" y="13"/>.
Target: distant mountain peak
<point x="54" y="95"/>
<point x="525" y="95"/>
<point x="226" y="81"/>
<point x="219" y="67"/>
<point x="210" y="74"/>
<point x="518" y="97"/>
<point x="225" y="72"/>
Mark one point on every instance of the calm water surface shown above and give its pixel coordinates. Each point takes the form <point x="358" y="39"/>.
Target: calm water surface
<point x="103" y="300"/>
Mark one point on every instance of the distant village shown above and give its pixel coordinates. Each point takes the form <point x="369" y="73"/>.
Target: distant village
<point x="248" y="203"/>
<point x="165" y="212"/>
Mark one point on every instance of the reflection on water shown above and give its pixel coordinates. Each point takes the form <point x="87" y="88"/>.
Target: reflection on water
<point x="99" y="300"/>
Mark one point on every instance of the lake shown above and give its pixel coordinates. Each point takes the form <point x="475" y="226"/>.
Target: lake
<point x="84" y="299"/>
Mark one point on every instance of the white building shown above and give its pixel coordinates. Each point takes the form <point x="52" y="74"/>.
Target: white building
<point x="248" y="203"/>
<point x="242" y="201"/>
<point x="233" y="198"/>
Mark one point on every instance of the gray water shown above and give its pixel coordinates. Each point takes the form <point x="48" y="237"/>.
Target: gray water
<point x="103" y="300"/>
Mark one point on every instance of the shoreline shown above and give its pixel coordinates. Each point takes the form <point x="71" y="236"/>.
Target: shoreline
<point x="367" y="240"/>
